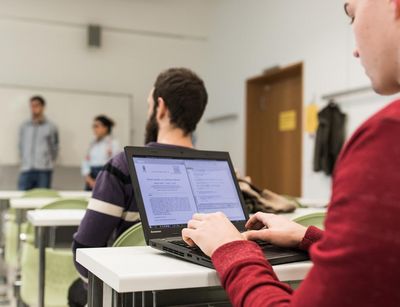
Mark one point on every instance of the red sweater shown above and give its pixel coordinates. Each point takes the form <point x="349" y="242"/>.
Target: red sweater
<point x="357" y="258"/>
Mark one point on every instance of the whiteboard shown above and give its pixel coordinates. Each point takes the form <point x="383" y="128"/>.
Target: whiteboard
<point x="71" y="111"/>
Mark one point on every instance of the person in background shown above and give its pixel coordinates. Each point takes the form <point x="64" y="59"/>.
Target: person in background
<point x="38" y="148"/>
<point x="356" y="258"/>
<point x="102" y="149"/>
<point x="175" y="106"/>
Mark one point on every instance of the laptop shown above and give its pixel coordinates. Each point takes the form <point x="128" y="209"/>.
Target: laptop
<point x="170" y="185"/>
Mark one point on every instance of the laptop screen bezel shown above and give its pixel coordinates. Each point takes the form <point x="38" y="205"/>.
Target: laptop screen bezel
<point x="175" y="153"/>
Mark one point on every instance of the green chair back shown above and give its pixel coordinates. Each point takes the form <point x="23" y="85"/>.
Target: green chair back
<point x="11" y="228"/>
<point x="41" y="193"/>
<point x="312" y="219"/>
<point x="60" y="274"/>
<point x="131" y="237"/>
<point x="60" y="271"/>
<point x="11" y="243"/>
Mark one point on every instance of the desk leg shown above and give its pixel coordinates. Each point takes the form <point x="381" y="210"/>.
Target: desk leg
<point x="19" y="216"/>
<point x="42" y="264"/>
<point x="4" y="205"/>
<point x="123" y="299"/>
<point x="17" y="283"/>
<point x="95" y="291"/>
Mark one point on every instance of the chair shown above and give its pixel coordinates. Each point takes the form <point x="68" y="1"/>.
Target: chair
<point x="41" y="193"/>
<point x="131" y="237"/>
<point x="313" y="219"/>
<point x="60" y="271"/>
<point x="11" y="227"/>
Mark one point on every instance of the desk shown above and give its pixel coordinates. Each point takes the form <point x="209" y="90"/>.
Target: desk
<point x="41" y="220"/>
<point x="22" y="204"/>
<point x="31" y="203"/>
<point x="127" y="270"/>
<point x="38" y="202"/>
<point x="6" y="195"/>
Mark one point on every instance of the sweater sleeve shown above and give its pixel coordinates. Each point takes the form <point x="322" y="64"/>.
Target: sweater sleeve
<point x="312" y="236"/>
<point x="105" y="210"/>
<point x="356" y="259"/>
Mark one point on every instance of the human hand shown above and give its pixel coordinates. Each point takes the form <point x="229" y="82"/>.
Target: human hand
<point x="90" y="181"/>
<point x="274" y="229"/>
<point x="210" y="231"/>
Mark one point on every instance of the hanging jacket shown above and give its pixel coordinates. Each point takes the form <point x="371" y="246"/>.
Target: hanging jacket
<point x="330" y="138"/>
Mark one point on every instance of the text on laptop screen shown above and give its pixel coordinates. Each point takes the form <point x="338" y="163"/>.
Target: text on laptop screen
<point x="174" y="189"/>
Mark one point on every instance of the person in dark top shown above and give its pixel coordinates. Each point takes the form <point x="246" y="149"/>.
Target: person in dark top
<point x="176" y="104"/>
<point x="356" y="258"/>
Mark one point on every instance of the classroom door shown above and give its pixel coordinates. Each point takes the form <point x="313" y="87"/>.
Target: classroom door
<point x="274" y="130"/>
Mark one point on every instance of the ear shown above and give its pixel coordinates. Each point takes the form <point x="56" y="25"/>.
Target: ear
<point x="162" y="110"/>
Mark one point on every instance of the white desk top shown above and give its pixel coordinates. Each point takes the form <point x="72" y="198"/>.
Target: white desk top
<point x="75" y="194"/>
<point x="5" y="195"/>
<point x="59" y="217"/>
<point x="134" y="269"/>
<point x="35" y="203"/>
<point x="31" y="203"/>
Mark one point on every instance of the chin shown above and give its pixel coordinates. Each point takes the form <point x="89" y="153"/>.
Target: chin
<point x="386" y="88"/>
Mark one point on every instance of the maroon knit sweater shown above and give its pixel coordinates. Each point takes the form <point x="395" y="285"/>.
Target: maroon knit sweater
<point x="357" y="258"/>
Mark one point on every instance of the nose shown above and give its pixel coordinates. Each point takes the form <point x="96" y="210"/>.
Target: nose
<point x="356" y="54"/>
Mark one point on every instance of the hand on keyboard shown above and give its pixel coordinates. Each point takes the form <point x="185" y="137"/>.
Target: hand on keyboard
<point x="274" y="229"/>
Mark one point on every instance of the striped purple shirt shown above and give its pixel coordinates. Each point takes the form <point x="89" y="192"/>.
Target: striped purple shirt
<point x="112" y="208"/>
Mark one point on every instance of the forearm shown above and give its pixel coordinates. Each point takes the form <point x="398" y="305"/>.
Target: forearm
<point x="247" y="276"/>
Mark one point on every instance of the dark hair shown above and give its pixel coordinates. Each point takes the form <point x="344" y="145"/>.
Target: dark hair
<point x="185" y="97"/>
<point x="40" y="99"/>
<point x="106" y="121"/>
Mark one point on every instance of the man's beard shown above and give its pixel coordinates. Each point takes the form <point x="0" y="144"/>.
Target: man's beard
<point x="152" y="129"/>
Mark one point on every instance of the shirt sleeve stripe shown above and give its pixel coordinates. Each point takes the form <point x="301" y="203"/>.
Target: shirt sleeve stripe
<point x="131" y="216"/>
<point x="105" y="208"/>
<point x="125" y="179"/>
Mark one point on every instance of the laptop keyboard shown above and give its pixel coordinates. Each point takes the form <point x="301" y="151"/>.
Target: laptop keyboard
<point x="194" y="249"/>
<point x="263" y="245"/>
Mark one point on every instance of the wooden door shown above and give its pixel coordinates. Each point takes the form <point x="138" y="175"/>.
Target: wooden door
<point x="274" y="130"/>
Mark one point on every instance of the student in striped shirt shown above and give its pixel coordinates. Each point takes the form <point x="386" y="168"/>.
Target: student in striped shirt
<point x="175" y="106"/>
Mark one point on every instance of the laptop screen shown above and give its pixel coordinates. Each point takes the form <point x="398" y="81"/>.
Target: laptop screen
<point x="174" y="189"/>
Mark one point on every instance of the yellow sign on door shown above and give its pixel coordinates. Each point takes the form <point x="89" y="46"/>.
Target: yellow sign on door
<point x="288" y="121"/>
<point x="312" y="118"/>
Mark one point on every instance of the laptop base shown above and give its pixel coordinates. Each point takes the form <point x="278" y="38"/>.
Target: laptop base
<point x="274" y="255"/>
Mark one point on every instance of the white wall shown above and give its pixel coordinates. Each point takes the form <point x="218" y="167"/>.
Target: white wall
<point x="72" y="112"/>
<point x="43" y="43"/>
<point x="252" y="35"/>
